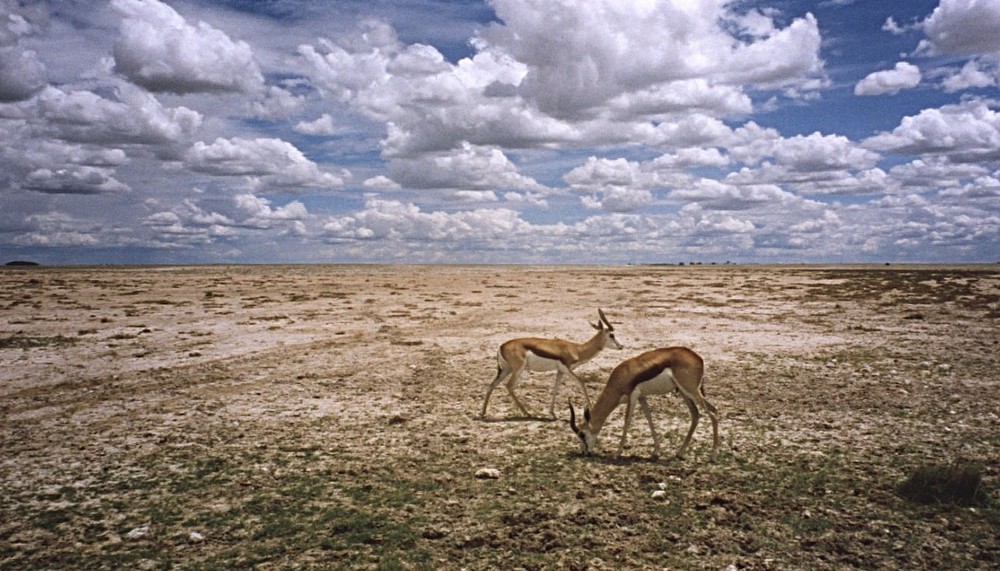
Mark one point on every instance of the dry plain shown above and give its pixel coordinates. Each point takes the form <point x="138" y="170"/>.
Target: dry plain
<point x="327" y="417"/>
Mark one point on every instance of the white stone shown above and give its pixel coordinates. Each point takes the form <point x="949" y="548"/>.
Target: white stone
<point x="488" y="474"/>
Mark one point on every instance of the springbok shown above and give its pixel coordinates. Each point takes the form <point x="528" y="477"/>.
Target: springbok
<point x="539" y="355"/>
<point x="656" y="372"/>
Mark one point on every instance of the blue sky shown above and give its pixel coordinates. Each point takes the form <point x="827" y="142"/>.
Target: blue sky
<point x="506" y="131"/>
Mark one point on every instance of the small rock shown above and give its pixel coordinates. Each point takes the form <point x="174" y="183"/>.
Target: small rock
<point x="434" y="533"/>
<point x="659" y="495"/>
<point x="488" y="474"/>
<point x="137" y="533"/>
<point x="195" y="537"/>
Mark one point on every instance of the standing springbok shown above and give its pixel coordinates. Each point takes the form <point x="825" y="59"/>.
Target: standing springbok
<point x="656" y="372"/>
<point x="540" y="355"/>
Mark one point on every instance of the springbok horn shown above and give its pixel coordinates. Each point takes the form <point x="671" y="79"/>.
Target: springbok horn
<point x="572" y="418"/>
<point x="605" y="319"/>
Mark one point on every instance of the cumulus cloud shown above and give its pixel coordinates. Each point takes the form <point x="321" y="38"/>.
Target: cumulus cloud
<point x="615" y="185"/>
<point x="933" y="173"/>
<point x="190" y="224"/>
<point x="132" y="117"/>
<point x="75" y="179"/>
<point x="964" y="131"/>
<point x="715" y="195"/>
<point x="974" y="74"/>
<point x="21" y="74"/>
<point x="273" y="162"/>
<point x="258" y="213"/>
<point x="618" y="199"/>
<point x="962" y="27"/>
<point x="662" y="73"/>
<point x="58" y="229"/>
<point x="818" y="152"/>
<point x="604" y="49"/>
<point x="470" y="167"/>
<point x="159" y="50"/>
<point x="323" y="125"/>
<point x="393" y="220"/>
<point x="903" y="76"/>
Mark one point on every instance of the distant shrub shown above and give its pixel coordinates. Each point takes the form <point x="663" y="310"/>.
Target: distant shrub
<point x="959" y="483"/>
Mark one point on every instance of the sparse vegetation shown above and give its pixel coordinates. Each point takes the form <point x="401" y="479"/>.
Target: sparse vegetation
<point x="959" y="483"/>
<point x="279" y="428"/>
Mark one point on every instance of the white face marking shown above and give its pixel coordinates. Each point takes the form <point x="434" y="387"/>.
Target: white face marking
<point x="588" y="442"/>
<point x="612" y="341"/>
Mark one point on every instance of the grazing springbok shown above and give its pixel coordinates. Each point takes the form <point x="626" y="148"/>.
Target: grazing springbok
<point x="656" y="372"/>
<point x="540" y="355"/>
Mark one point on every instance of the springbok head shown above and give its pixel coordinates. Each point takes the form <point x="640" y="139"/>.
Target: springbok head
<point x="588" y="440"/>
<point x="607" y="330"/>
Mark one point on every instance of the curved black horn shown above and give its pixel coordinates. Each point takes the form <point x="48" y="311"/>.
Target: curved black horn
<point x="572" y="417"/>
<point x="605" y="319"/>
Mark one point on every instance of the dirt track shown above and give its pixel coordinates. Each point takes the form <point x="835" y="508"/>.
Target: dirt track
<point x="327" y="417"/>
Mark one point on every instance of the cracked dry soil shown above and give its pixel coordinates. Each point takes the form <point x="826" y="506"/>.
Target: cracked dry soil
<point x="326" y="417"/>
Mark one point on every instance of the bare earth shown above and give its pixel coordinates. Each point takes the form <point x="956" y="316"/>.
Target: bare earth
<point x="327" y="417"/>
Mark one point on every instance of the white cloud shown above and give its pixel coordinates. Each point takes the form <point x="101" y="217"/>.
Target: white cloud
<point x="691" y="157"/>
<point x="660" y="72"/>
<point x="321" y="126"/>
<point x="21" y="74"/>
<point x="392" y="220"/>
<point x="601" y="50"/>
<point x="963" y="27"/>
<point x="724" y="224"/>
<point x="134" y="117"/>
<point x="159" y="50"/>
<point x="74" y="179"/>
<point x="892" y="27"/>
<point x="597" y="173"/>
<point x="57" y="229"/>
<point x="276" y="102"/>
<point x="933" y="173"/>
<point x="963" y="131"/>
<point x="272" y="162"/>
<point x="189" y="224"/>
<point x="614" y="185"/>
<point x="381" y="182"/>
<point x="903" y="76"/>
<point x="469" y="167"/>
<point x="711" y="194"/>
<point x="818" y="152"/>
<point x="974" y="74"/>
<point x="258" y="213"/>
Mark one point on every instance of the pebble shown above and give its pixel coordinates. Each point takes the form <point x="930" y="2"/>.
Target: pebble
<point x="488" y="474"/>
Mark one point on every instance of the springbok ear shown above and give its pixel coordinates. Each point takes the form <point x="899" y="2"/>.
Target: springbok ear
<point x="586" y="415"/>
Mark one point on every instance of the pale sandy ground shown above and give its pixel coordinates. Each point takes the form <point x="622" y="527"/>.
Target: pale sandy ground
<point x="832" y="382"/>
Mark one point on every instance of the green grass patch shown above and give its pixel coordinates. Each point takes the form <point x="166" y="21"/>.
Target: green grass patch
<point x="959" y="483"/>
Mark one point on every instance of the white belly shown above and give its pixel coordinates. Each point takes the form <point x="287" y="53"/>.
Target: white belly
<point x="536" y="364"/>
<point x="659" y="385"/>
